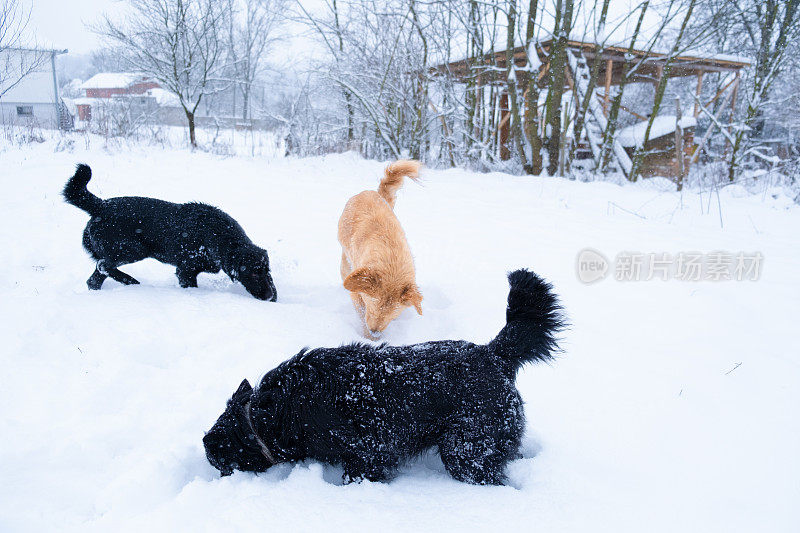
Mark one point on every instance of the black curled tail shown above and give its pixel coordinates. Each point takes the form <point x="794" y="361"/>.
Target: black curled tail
<point x="533" y="319"/>
<point x="76" y="193"/>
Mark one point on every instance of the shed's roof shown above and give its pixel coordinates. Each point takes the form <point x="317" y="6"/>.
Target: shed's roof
<point x="687" y="63"/>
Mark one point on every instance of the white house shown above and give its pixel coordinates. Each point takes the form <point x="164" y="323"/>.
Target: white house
<point x="29" y="89"/>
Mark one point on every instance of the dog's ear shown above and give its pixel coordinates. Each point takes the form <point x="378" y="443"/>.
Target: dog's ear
<point x="363" y="280"/>
<point x="244" y="390"/>
<point x="412" y="296"/>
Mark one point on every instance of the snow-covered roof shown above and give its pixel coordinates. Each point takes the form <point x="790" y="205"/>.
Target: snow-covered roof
<point x="699" y="54"/>
<point x="70" y="105"/>
<point x="688" y="62"/>
<point x="164" y="97"/>
<point x="663" y="125"/>
<point x="112" y="80"/>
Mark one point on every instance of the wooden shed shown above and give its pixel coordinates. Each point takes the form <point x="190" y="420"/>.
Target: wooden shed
<point x="490" y="70"/>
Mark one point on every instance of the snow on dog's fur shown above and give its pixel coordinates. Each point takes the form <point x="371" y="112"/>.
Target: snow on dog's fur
<point x="377" y="267"/>
<point x="369" y="408"/>
<point x="193" y="237"/>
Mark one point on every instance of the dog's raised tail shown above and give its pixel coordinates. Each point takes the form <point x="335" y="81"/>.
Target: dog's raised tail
<point x="393" y="178"/>
<point x="534" y="317"/>
<point x="76" y="193"/>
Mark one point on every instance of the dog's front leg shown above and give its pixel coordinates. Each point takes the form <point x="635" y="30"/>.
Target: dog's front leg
<point x="361" y="309"/>
<point x="187" y="277"/>
<point x="358" y="303"/>
<point x="375" y="469"/>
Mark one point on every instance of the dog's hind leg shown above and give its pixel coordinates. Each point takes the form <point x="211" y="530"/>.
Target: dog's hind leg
<point x="477" y="463"/>
<point x="122" y="277"/>
<point x="97" y="278"/>
<point x="107" y="268"/>
<point x="104" y="270"/>
<point x="477" y="450"/>
<point x="187" y="277"/>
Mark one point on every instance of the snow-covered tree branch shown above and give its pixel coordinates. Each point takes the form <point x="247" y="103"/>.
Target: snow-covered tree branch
<point x="177" y="42"/>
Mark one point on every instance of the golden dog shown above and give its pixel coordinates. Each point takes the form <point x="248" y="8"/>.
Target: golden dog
<point x="377" y="267"/>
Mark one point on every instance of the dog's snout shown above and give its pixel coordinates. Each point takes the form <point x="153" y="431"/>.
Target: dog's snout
<point x="267" y="293"/>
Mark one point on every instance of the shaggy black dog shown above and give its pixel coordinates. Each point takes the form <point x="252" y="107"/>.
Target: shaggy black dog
<point x="368" y="408"/>
<point x="194" y="237"/>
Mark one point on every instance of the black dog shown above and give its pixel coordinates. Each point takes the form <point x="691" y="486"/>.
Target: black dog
<point x="368" y="408"/>
<point x="194" y="237"/>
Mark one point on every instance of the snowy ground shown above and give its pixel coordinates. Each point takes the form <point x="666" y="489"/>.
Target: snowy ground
<point x="640" y="426"/>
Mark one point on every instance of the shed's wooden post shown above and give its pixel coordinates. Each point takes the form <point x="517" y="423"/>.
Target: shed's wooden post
<point x="478" y="111"/>
<point x="698" y="92"/>
<point x="678" y="142"/>
<point x="490" y="120"/>
<point x="505" y="153"/>
<point x="659" y="74"/>
<point x="734" y="94"/>
<point x="607" y="96"/>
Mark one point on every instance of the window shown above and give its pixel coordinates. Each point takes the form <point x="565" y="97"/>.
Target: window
<point x="25" y="110"/>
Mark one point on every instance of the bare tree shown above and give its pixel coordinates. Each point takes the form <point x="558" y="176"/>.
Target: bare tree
<point x="382" y="70"/>
<point x="332" y="28"/>
<point x="586" y="98"/>
<point x="252" y="24"/>
<point x="474" y="93"/>
<point x="516" y="122"/>
<point x="638" y="157"/>
<point x="532" y="117"/>
<point x="558" y="66"/>
<point x="631" y="67"/>
<point x="770" y="27"/>
<point x="177" y="42"/>
<point x="14" y="67"/>
<point x="107" y="60"/>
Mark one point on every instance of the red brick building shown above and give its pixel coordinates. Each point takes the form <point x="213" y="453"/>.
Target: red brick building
<point x="111" y="85"/>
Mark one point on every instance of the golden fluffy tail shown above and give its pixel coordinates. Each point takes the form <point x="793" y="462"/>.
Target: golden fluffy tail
<point x="393" y="178"/>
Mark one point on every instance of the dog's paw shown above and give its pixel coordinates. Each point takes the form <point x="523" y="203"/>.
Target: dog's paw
<point x="348" y="478"/>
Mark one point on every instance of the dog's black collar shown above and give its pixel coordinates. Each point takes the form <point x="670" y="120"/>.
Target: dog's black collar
<point x="261" y="444"/>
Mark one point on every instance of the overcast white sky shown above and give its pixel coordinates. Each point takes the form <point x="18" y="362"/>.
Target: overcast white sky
<point x="62" y="23"/>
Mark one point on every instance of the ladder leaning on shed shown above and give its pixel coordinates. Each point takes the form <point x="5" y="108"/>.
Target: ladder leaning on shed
<point x="596" y="121"/>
